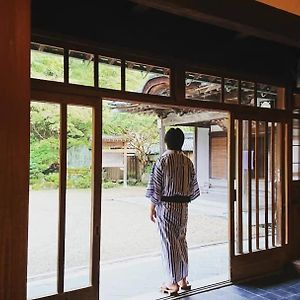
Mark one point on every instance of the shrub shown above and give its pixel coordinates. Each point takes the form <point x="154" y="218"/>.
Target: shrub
<point x="109" y="184"/>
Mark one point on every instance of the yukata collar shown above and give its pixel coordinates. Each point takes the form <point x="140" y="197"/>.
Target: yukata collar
<point x="172" y="151"/>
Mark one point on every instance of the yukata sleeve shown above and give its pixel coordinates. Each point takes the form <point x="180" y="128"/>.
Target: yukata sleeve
<point x="154" y="189"/>
<point x="195" y="191"/>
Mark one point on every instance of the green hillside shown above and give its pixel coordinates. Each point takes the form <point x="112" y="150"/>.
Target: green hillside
<point x="49" y="66"/>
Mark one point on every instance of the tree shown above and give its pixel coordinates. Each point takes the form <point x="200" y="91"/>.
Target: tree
<point x="45" y="131"/>
<point x="140" y="130"/>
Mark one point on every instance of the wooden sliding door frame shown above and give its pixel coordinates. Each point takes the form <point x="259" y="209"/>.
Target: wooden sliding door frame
<point x="91" y="292"/>
<point x="248" y="262"/>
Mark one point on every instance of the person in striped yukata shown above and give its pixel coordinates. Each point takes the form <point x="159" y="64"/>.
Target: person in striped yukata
<point x="172" y="185"/>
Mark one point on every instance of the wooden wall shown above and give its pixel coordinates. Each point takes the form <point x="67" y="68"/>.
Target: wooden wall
<point x="14" y="150"/>
<point x="218" y="161"/>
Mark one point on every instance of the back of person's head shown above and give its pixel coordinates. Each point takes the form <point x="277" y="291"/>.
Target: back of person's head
<point x="174" y="139"/>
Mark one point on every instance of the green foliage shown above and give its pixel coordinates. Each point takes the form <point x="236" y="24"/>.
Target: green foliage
<point x="45" y="121"/>
<point x="148" y="169"/>
<point x="76" y="179"/>
<point x="79" y="178"/>
<point x="135" y="80"/>
<point x="47" y="66"/>
<point x="44" y="146"/>
<point x="110" y="76"/>
<point x="43" y="154"/>
<point x="50" y="181"/>
<point x="81" y="71"/>
<point x="79" y="126"/>
<point x="109" y="184"/>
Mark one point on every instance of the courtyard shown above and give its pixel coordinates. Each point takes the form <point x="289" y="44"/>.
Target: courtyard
<point x="128" y="237"/>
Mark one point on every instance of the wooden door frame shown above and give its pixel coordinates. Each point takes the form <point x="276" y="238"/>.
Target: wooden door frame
<point x="90" y="292"/>
<point x="258" y="263"/>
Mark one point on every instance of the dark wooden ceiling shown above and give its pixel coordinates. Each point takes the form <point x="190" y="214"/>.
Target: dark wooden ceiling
<point x="125" y="24"/>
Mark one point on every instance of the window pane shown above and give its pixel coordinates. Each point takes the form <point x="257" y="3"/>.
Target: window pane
<point x="43" y="200"/>
<point x="47" y="62"/>
<point x="146" y="79"/>
<point x="78" y="197"/>
<point x="247" y="93"/>
<point x="269" y="96"/>
<point x="231" y="91"/>
<point x="109" y="73"/>
<point x="203" y="87"/>
<point x="81" y="68"/>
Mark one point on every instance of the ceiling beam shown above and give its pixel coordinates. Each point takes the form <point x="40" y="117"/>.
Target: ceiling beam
<point x="248" y="17"/>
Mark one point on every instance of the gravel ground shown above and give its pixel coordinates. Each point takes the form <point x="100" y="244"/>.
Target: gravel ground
<point x="128" y="231"/>
<point x="126" y="228"/>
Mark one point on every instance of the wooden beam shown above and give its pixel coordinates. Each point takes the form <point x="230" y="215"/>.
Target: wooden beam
<point x="253" y="18"/>
<point x="14" y="150"/>
<point x="42" y="89"/>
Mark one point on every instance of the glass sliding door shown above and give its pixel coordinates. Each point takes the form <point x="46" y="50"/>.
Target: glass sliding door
<point x="43" y="199"/>
<point x="63" y="255"/>
<point x="78" y="198"/>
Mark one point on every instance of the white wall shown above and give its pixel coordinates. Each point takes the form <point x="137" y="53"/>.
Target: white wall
<point x="202" y="164"/>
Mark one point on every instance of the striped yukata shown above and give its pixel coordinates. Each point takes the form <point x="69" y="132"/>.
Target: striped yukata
<point x="172" y="185"/>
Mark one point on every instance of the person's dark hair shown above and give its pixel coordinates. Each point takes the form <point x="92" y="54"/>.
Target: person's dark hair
<point x="174" y="139"/>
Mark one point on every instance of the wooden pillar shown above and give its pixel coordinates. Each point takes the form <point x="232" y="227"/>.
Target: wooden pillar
<point x="14" y="149"/>
<point x="161" y="126"/>
<point x="281" y="98"/>
<point x="125" y="165"/>
<point x="278" y="180"/>
<point x="195" y="142"/>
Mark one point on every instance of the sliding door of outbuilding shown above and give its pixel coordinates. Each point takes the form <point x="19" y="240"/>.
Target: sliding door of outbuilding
<point x="258" y="194"/>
